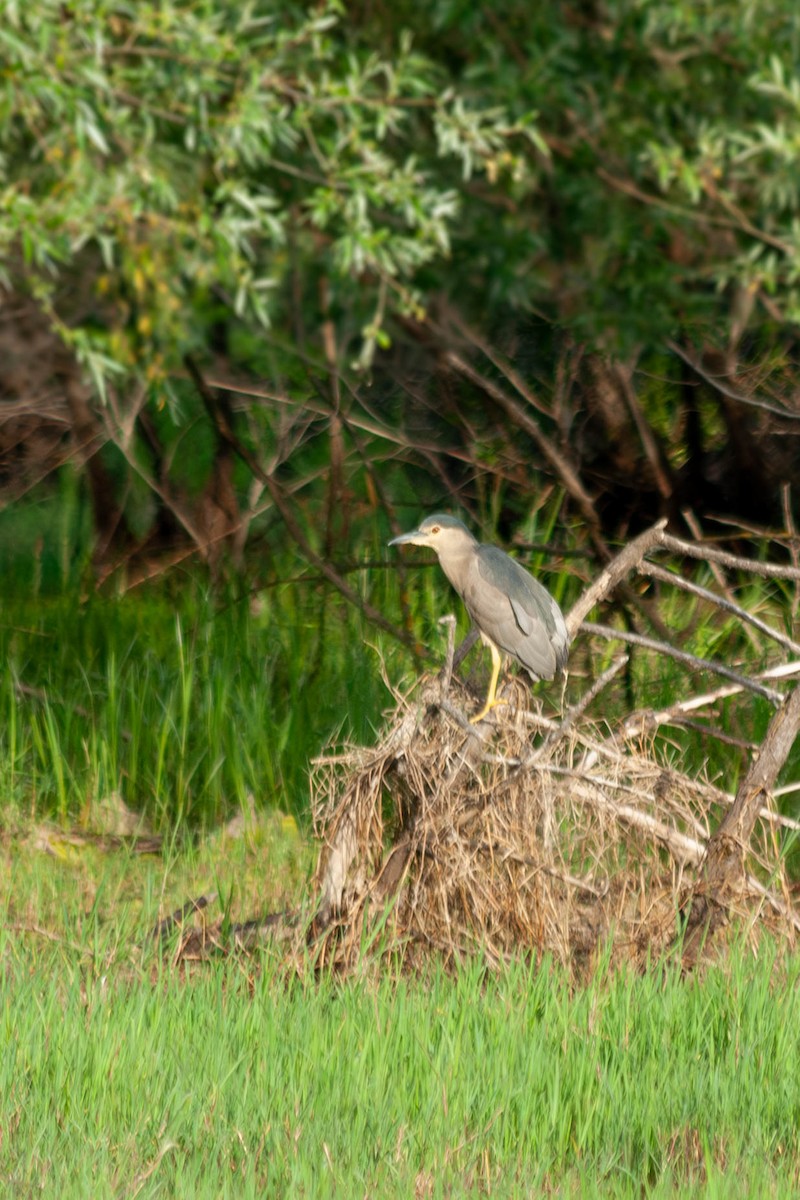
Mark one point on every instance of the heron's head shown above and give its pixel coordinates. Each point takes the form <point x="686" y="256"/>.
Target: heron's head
<point x="444" y="534"/>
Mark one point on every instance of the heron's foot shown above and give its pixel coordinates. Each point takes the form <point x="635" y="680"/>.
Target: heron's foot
<point x="487" y="708"/>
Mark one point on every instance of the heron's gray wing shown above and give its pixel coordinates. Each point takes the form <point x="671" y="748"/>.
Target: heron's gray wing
<point x="516" y="612"/>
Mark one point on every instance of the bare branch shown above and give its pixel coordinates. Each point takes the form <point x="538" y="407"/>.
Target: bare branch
<point x="716" y="570"/>
<point x="701" y="218"/>
<point x="498" y="360"/>
<point x="726" y="848"/>
<point x="689" y="660"/>
<point x="724" y="878"/>
<point x="734" y="561"/>
<point x="625" y="562"/>
<point x="577" y="710"/>
<point x="649" y="719"/>
<point x="716" y="382"/>
<point x="686" y="585"/>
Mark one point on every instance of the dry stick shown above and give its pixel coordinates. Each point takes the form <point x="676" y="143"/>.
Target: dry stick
<point x="718" y="384"/>
<point x="743" y="528"/>
<point x="167" y="924"/>
<point x="788" y="517"/>
<point x="343" y="846"/>
<point x="174" y="558"/>
<point x="716" y="569"/>
<point x="607" y="749"/>
<point x="659" y="464"/>
<point x="84" y="450"/>
<point x="474" y="731"/>
<point x="370" y="424"/>
<point x="682" y="847"/>
<point x="376" y="482"/>
<point x="690" y="660"/>
<point x="780" y="906"/>
<point x="723" y="875"/>
<point x="726" y="847"/>
<point x="577" y="710"/>
<point x="498" y="360"/>
<point x="686" y="585"/>
<point x="628" y="188"/>
<point x="565" y="469"/>
<point x="717" y="734"/>
<point x="734" y="561"/>
<point x="717" y="796"/>
<point x="505" y="854"/>
<point x="183" y="518"/>
<point x="627" y="560"/>
<point x="341" y="852"/>
<point x="647" y="719"/>
<point x="289" y="520"/>
<point x="697" y="533"/>
<point x="713" y="794"/>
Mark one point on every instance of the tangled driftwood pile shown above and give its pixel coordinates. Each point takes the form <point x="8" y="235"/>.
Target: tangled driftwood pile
<point x="544" y="829"/>
<point x="551" y="833"/>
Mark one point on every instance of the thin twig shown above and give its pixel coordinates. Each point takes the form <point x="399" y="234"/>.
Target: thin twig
<point x="689" y="660"/>
<point x="734" y="561"/>
<point x="686" y="585"/>
<point x="565" y="471"/>
<point x="576" y="711"/>
<point x="716" y="570"/>
<point x="648" y="719"/>
<point x="725" y="389"/>
<point x="290" y="521"/>
<point x="794" y="545"/>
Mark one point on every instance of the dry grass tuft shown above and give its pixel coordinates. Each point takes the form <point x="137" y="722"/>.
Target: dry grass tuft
<point x="524" y="834"/>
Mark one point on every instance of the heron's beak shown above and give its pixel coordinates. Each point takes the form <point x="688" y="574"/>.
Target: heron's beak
<point x="414" y="538"/>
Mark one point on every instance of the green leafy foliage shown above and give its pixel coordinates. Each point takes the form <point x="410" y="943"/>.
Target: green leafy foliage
<point x="196" y="149"/>
<point x="177" y="150"/>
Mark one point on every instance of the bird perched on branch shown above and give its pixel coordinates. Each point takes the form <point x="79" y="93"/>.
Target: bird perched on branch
<point x="514" y="614"/>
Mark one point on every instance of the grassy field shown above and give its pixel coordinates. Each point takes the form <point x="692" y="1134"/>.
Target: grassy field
<point x="122" y="1074"/>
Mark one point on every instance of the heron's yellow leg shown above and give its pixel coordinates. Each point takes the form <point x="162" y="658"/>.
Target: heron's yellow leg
<point x="491" y="697"/>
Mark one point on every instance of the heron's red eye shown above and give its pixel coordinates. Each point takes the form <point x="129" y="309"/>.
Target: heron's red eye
<point x="435" y="529"/>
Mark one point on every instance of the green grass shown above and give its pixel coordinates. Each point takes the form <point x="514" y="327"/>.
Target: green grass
<point x="186" y="714"/>
<point x="122" y="1075"/>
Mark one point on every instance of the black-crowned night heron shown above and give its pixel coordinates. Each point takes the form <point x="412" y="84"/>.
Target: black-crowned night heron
<point x="514" y="614"/>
